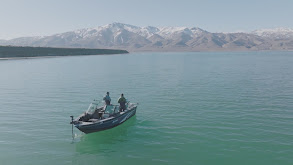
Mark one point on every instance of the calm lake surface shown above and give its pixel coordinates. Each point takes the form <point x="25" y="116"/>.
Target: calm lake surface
<point x="194" y="108"/>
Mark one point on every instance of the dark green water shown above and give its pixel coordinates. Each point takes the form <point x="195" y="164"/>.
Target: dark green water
<point x="195" y="108"/>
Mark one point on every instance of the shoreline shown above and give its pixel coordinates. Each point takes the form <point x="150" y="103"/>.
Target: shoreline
<point x="139" y="52"/>
<point x="19" y="52"/>
<point x="38" y="57"/>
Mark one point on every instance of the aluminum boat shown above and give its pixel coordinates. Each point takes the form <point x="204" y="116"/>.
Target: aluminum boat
<point x="98" y="118"/>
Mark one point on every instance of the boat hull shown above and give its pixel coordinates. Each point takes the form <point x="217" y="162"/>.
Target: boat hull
<point x="107" y="123"/>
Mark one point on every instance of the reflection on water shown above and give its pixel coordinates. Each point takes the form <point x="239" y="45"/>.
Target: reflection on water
<point x="101" y="142"/>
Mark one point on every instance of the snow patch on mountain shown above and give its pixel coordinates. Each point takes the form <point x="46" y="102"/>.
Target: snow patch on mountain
<point x="276" y="32"/>
<point x="116" y="29"/>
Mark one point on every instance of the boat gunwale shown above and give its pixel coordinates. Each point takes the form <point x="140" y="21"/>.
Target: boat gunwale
<point x="104" y="121"/>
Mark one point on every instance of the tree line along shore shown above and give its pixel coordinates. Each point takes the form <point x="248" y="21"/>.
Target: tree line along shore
<point x="19" y="51"/>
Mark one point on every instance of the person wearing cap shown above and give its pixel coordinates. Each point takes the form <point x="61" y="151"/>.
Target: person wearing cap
<point x="122" y="102"/>
<point x="107" y="98"/>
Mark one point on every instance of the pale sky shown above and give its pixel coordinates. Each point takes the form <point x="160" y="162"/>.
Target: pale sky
<point x="20" y="18"/>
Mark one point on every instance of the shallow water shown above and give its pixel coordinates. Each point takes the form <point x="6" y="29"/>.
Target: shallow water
<point x="194" y="108"/>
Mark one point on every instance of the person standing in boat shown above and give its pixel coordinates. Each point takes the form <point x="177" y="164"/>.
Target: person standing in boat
<point x="107" y="98"/>
<point x="122" y="102"/>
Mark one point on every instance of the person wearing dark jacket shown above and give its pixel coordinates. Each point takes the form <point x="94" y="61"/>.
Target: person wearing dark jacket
<point x="122" y="102"/>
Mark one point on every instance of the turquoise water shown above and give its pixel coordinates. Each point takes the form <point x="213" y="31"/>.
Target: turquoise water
<point x="194" y="108"/>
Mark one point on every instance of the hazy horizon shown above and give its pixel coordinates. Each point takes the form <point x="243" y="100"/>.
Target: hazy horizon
<point x="43" y="18"/>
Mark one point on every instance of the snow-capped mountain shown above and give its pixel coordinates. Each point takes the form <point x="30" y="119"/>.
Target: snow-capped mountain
<point x="276" y="33"/>
<point x="134" y="38"/>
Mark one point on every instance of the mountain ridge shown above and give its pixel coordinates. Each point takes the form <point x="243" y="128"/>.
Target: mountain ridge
<point x="150" y="38"/>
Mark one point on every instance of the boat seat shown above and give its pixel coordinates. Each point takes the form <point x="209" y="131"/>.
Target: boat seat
<point x="95" y="115"/>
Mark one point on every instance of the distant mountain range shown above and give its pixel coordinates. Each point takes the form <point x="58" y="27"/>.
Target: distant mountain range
<point x="134" y="38"/>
